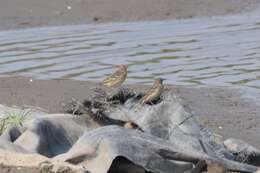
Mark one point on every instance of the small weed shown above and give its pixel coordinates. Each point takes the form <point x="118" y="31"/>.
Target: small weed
<point x="14" y="117"/>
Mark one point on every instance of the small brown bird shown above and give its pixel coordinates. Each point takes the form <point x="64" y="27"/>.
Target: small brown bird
<point x="153" y="93"/>
<point x="117" y="78"/>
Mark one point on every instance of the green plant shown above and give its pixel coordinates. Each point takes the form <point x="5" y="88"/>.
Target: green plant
<point x="14" y="117"/>
<point x="2" y="125"/>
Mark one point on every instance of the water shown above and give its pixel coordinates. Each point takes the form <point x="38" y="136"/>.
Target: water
<point x="221" y="51"/>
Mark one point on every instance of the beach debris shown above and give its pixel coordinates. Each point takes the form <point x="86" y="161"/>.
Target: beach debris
<point x="103" y="139"/>
<point x="60" y="167"/>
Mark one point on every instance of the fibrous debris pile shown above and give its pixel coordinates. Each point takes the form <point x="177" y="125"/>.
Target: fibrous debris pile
<point x="97" y="136"/>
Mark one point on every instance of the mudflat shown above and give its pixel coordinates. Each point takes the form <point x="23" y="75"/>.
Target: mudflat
<point x="16" y="14"/>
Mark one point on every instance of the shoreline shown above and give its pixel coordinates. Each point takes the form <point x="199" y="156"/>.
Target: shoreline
<point x="20" y="14"/>
<point x="221" y="110"/>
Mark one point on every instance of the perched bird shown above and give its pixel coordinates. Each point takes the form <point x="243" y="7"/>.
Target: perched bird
<point x="153" y="93"/>
<point x="117" y="78"/>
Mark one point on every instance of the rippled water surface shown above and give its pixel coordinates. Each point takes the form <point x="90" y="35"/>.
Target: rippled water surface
<point x="223" y="51"/>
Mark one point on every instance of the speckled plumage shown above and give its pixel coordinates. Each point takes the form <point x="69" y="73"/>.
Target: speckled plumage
<point x="154" y="92"/>
<point x="117" y="78"/>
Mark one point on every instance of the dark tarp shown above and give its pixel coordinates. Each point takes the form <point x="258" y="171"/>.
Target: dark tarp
<point x="167" y="138"/>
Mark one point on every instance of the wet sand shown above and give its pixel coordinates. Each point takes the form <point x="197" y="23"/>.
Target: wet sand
<point x="17" y="14"/>
<point x="219" y="109"/>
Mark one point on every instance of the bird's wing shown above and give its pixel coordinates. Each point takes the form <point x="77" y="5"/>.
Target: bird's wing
<point x="148" y="94"/>
<point x="113" y="77"/>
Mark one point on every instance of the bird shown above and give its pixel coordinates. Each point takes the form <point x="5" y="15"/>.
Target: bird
<point x="116" y="79"/>
<point x="154" y="92"/>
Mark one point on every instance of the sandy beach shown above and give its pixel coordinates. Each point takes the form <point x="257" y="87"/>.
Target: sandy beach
<point x="17" y="14"/>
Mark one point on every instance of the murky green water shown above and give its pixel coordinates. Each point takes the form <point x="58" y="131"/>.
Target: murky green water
<point x="223" y="51"/>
